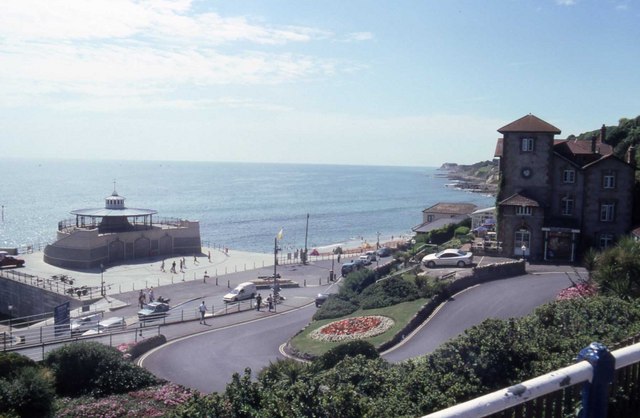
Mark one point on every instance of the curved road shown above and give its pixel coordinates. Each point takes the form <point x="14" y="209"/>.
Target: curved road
<point x="206" y="361"/>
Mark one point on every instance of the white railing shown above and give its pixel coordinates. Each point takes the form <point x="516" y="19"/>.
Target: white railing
<point x="579" y="373"/>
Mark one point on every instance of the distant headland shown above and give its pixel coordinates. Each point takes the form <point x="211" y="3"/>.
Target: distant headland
<point x="480" y="177"/>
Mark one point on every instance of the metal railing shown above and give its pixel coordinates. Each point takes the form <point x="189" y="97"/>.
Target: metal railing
<point x="28" y="334"/>
<point x="589" y="385"/>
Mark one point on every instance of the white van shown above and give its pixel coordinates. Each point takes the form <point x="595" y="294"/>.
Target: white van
<point x="246" y="290"/>
<point x="108" y="325"/>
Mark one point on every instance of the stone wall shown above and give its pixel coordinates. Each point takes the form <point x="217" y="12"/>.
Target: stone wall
<point x="28" y="300"/>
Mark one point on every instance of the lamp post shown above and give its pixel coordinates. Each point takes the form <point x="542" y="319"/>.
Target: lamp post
<point x="10" y="329"/>
<point x="378" y="242"/>
<point x="102" y="279"/>
<point x="524" y="250"/>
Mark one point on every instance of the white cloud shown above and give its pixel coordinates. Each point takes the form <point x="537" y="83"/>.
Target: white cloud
<point x="360" y="36"/>
<point x="119" y="50"/>
<point x="566" y="2"/>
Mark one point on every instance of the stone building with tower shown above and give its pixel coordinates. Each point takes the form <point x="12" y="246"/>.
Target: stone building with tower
<point x="558" y="197"/>
<point x="116" y="234"/>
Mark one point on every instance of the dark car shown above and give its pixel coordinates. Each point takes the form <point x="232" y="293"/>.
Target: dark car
<point x="153" y="310"/>
<point x="321" y="298"/>
<point x="384" y="252"/>
<point x="351" y="266"/>
<point x="7" y="260"/>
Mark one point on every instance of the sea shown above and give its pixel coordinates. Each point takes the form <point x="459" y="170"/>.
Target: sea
<point x="240" y="206"/>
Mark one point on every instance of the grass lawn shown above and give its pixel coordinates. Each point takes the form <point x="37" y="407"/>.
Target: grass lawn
<point x="400" y="313"/>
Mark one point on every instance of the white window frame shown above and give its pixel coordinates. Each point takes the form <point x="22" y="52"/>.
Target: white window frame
<point x="569" y="176"/>
<point x="609" y="181"/>
<point x="524" y="210"/>
<point x="527" y="144"/>
<point x="567" y="205"/>
<point x="606" y="240"/>
<point x="607" y="212"/>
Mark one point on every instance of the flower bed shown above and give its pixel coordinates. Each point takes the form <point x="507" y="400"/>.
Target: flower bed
<point x="353" y="328"/>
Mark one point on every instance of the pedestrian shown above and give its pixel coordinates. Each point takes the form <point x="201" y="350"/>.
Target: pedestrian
<point x="141" y="299"/>
<point x="202" y="308"/>
<point x="151" y="299"/>
<point x="209" y="255"/>
<point x="195" y="259"/>
<point x="173" y="266"/>
<point x="162" y="266"/>
<point x="270" y="303"/>
<point x="339" y="254"/>
<point x="258" y="302"/>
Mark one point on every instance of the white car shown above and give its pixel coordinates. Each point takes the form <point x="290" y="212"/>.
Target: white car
<point x="365" y="259"/>
<point x="86" y="323"/>
<point x="448" y="257"/>
<point x="107" y="325"/>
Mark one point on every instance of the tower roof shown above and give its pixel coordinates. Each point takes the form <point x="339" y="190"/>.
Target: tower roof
<point x="529" y="123"/>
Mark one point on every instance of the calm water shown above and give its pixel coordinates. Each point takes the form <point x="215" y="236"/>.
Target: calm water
<point x="239" y="205"/>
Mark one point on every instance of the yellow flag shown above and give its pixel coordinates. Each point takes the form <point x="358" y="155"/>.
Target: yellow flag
<point x="280" y="234"/>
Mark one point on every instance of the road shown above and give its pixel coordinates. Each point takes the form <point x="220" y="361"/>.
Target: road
<point x="501" y="299"/>
<point x="206" y="361"/>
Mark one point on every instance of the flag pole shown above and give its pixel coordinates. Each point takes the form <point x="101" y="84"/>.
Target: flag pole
<point x="306" y="233"/>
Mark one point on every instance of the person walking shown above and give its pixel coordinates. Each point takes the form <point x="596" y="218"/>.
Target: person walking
<point x="151" y="298"/>
<point x="270" y="303"/>
<point x="258" y="302"/>
<point x="202" y="308"/>
<point x="141" y="299"/>
<point x="162" y="266"/>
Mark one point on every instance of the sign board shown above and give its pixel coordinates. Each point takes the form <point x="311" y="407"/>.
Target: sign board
<point x="62" y="319"/>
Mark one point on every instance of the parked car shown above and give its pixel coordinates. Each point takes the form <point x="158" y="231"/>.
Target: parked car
<point x="351" y="266"/>
<point x="365" y="259"/>
<point x="372" y="255"/>
<point x="80" y="325"/>
<point x="153" y="310"/>
<point x="321" y="298"/>
<point x="7" y="260"/>
<point x="246" y="290"/>
<point x="384" y="252"/>
<point x="448" y="257"/>
<point x="107" y="325"/>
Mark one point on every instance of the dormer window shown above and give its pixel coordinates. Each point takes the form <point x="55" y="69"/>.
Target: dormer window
<point x="527" y="144"/>
<point x="523" y="210"/>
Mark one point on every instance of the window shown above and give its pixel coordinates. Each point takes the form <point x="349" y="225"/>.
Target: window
<point x="523" y="210"/>
<point x="569" y="176"/>
<point x="429" y="218"/>
<point x="527" y="144"/>
<point x="567" y="205"/>
<point x="607" y="212"/>
<point x="606" y="240"/>
<point x="522" y="238"/>
<point x="609" y="181"/>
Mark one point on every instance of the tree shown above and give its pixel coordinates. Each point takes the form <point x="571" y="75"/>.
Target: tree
<point x="617" y="269"/>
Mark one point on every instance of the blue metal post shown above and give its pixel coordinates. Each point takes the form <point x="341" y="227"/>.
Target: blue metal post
<point x="595" y="395"/>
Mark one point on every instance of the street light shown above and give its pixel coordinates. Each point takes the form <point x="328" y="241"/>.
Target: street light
<point x="10" y="317"/>
<point x="102" y="279"/>
<point x="524" y="250"/>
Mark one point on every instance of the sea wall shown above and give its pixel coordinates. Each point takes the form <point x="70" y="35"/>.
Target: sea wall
<point x="479" y="275"/>
<point x="28" y="300"/>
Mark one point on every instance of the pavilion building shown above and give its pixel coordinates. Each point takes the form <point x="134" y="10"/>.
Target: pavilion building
<point x="116" y="234"/>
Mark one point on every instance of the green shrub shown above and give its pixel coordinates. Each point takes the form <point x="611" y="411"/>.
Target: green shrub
<point x="147" y="344"/>
<point x="388" y="292"/>
<point x="350" y="349"/>
<point x="461" y="230"/>
<point x="335" y="307"/>
<point x="12" y="363"/>
<point x="90" y="368"/>
<point x="356" y="282"/>
<point x="29" y="393"/>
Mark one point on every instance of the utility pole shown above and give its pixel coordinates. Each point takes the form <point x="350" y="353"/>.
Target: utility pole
<point x="306" y="234"/>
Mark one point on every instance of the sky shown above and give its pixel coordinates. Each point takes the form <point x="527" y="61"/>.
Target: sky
<point x="361" y="82"/>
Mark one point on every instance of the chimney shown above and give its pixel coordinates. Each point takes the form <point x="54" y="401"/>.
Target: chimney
<point x="603" y="133"/>
<point x="631" y="156"/>
<point x="593" y="144"/>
